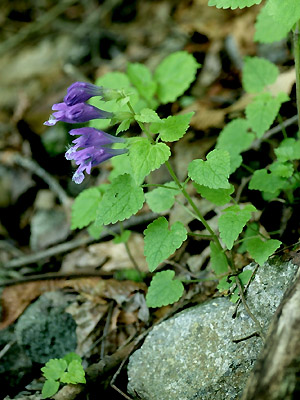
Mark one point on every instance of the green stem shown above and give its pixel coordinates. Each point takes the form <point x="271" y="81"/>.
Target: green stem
<point x="279" y="117"/>
<point x="297" y="66"/>
<point x="193" y="205"/>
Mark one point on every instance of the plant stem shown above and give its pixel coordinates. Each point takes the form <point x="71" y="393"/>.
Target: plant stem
<point x="297" y="66"/>
<point x="193" y="205"/>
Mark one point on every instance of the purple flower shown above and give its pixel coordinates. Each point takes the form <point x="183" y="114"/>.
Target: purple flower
<point x="79" y="92"/>
<point x="78" y="113"/>
<point x="91" y="148"/>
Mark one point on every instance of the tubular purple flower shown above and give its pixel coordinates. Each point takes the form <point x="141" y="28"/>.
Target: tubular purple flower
<point x="91" y="148"/>
<point x="79" y="92"/>
<point x="78" y="113"/>
<point x="90" y="157"/>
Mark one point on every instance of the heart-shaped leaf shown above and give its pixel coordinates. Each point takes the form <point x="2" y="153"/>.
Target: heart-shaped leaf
<point x="214" y="172"/>
<point x="164" y="289"/>
<point x="160" y="242"/>
<point x="260" y="250"/>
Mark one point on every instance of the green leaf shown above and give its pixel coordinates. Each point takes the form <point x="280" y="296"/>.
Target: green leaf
<point x="285" y="13"/>
<point x="267" y="29"/>
<point x="161" y="199"/>
<point x="258" y="73"/>
<point x="147" y="115"/>
<point x="251" y="230"/>
<point x="266" y="182"/>
<point x="235" y="139"/>
<point x="124" y="125"/>
<point x="214" y="172"/>
<point x="232" y="222"/>
<point x="122" y="199"/>
<point x="146" y="157"/>
<point x="49" y="389"/>
<point x="75" y="373"/>
<point x="262" y="112"/>
<point x="120" y="81"/>
<point x="288" y="150"/>
<point x="174" y="75"/>
<point x="218" y="260"/>
<point x="245" y="276"/>
<point x="141" y="77"/>
<point x="123" y="238"/>
<point x="121" y="165"/>
<point x="85" y="207"/>
<point x="220" y="197"/>
<point x="71" y="357"/>
<point x="285" y="170"/>
<point x="95" y="230"/>
<point x="172" y="128"/>
<point x="164" y="289"/>
<point x="261" y="251"/>
<point x="54" y="368"/>
<point x="233" y="4"/>
<point x="160" y="242"/>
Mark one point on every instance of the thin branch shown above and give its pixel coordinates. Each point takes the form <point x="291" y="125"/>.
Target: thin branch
<point x="73" y="244"/>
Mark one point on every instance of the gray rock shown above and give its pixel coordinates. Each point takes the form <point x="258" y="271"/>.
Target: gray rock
<point x="192" y="356"/>
<point x="15" y="365"/>
<point x="45" y="330"/>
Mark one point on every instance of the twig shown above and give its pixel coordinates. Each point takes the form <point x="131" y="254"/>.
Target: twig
<point x="237" y="340"/>
<point x="255" y="145"/>
<point x="35" y="26"/>
<point x="36" y="169"/>
<point x="245" y="290"/>
<point x="254" y="319"/>
<point x="73" y="244"/>
<point x="106" y="328"/>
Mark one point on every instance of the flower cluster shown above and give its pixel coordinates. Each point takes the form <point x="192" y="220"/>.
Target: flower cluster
<point x="93" y="146"/>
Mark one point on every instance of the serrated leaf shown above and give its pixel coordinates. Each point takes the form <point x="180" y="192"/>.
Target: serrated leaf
<point x="261" y="251"/>
<point x="141" y="77"/>
<point x="85" y="207"/>
<point x="71" y="357"/>
<point x="267" y="30"/>
<point x="266" y="182"/>
<point x="262" y="112"/>
<point x="172" y="128"/>
<point x="218" y="260"/>
<point x="160" y="242"/>
<point x="220" y="197"/>
<point x="124" y="125"/>
<point x="258" y="73"/>
<point x="235" y="138"/>
<point x="233" y="4"/>
<point x="49" y="389"/>
<point x="174" y="75"/>
<point x="147" y="115"/>
<point x="146" y="157"/>
<point x="161" y="199"/>
<point x="288" y="150"/>
<point x="214" y="172"/>
<point x="54" y="368"/>
<point x="123" y="238"/>
<point x="285" y="170"/>
<point x="232" y="222"/>
<point x="164" y="290"/>
<point x="122" y="199"/>
<point x="75" y="373"/>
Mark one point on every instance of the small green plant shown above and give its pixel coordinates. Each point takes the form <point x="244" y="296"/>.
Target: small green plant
<point x="134" y="97"/>
<point x="62" y="370"/>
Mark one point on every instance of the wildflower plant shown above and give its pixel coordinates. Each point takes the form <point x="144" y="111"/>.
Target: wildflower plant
<point x="122" y="99"/>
